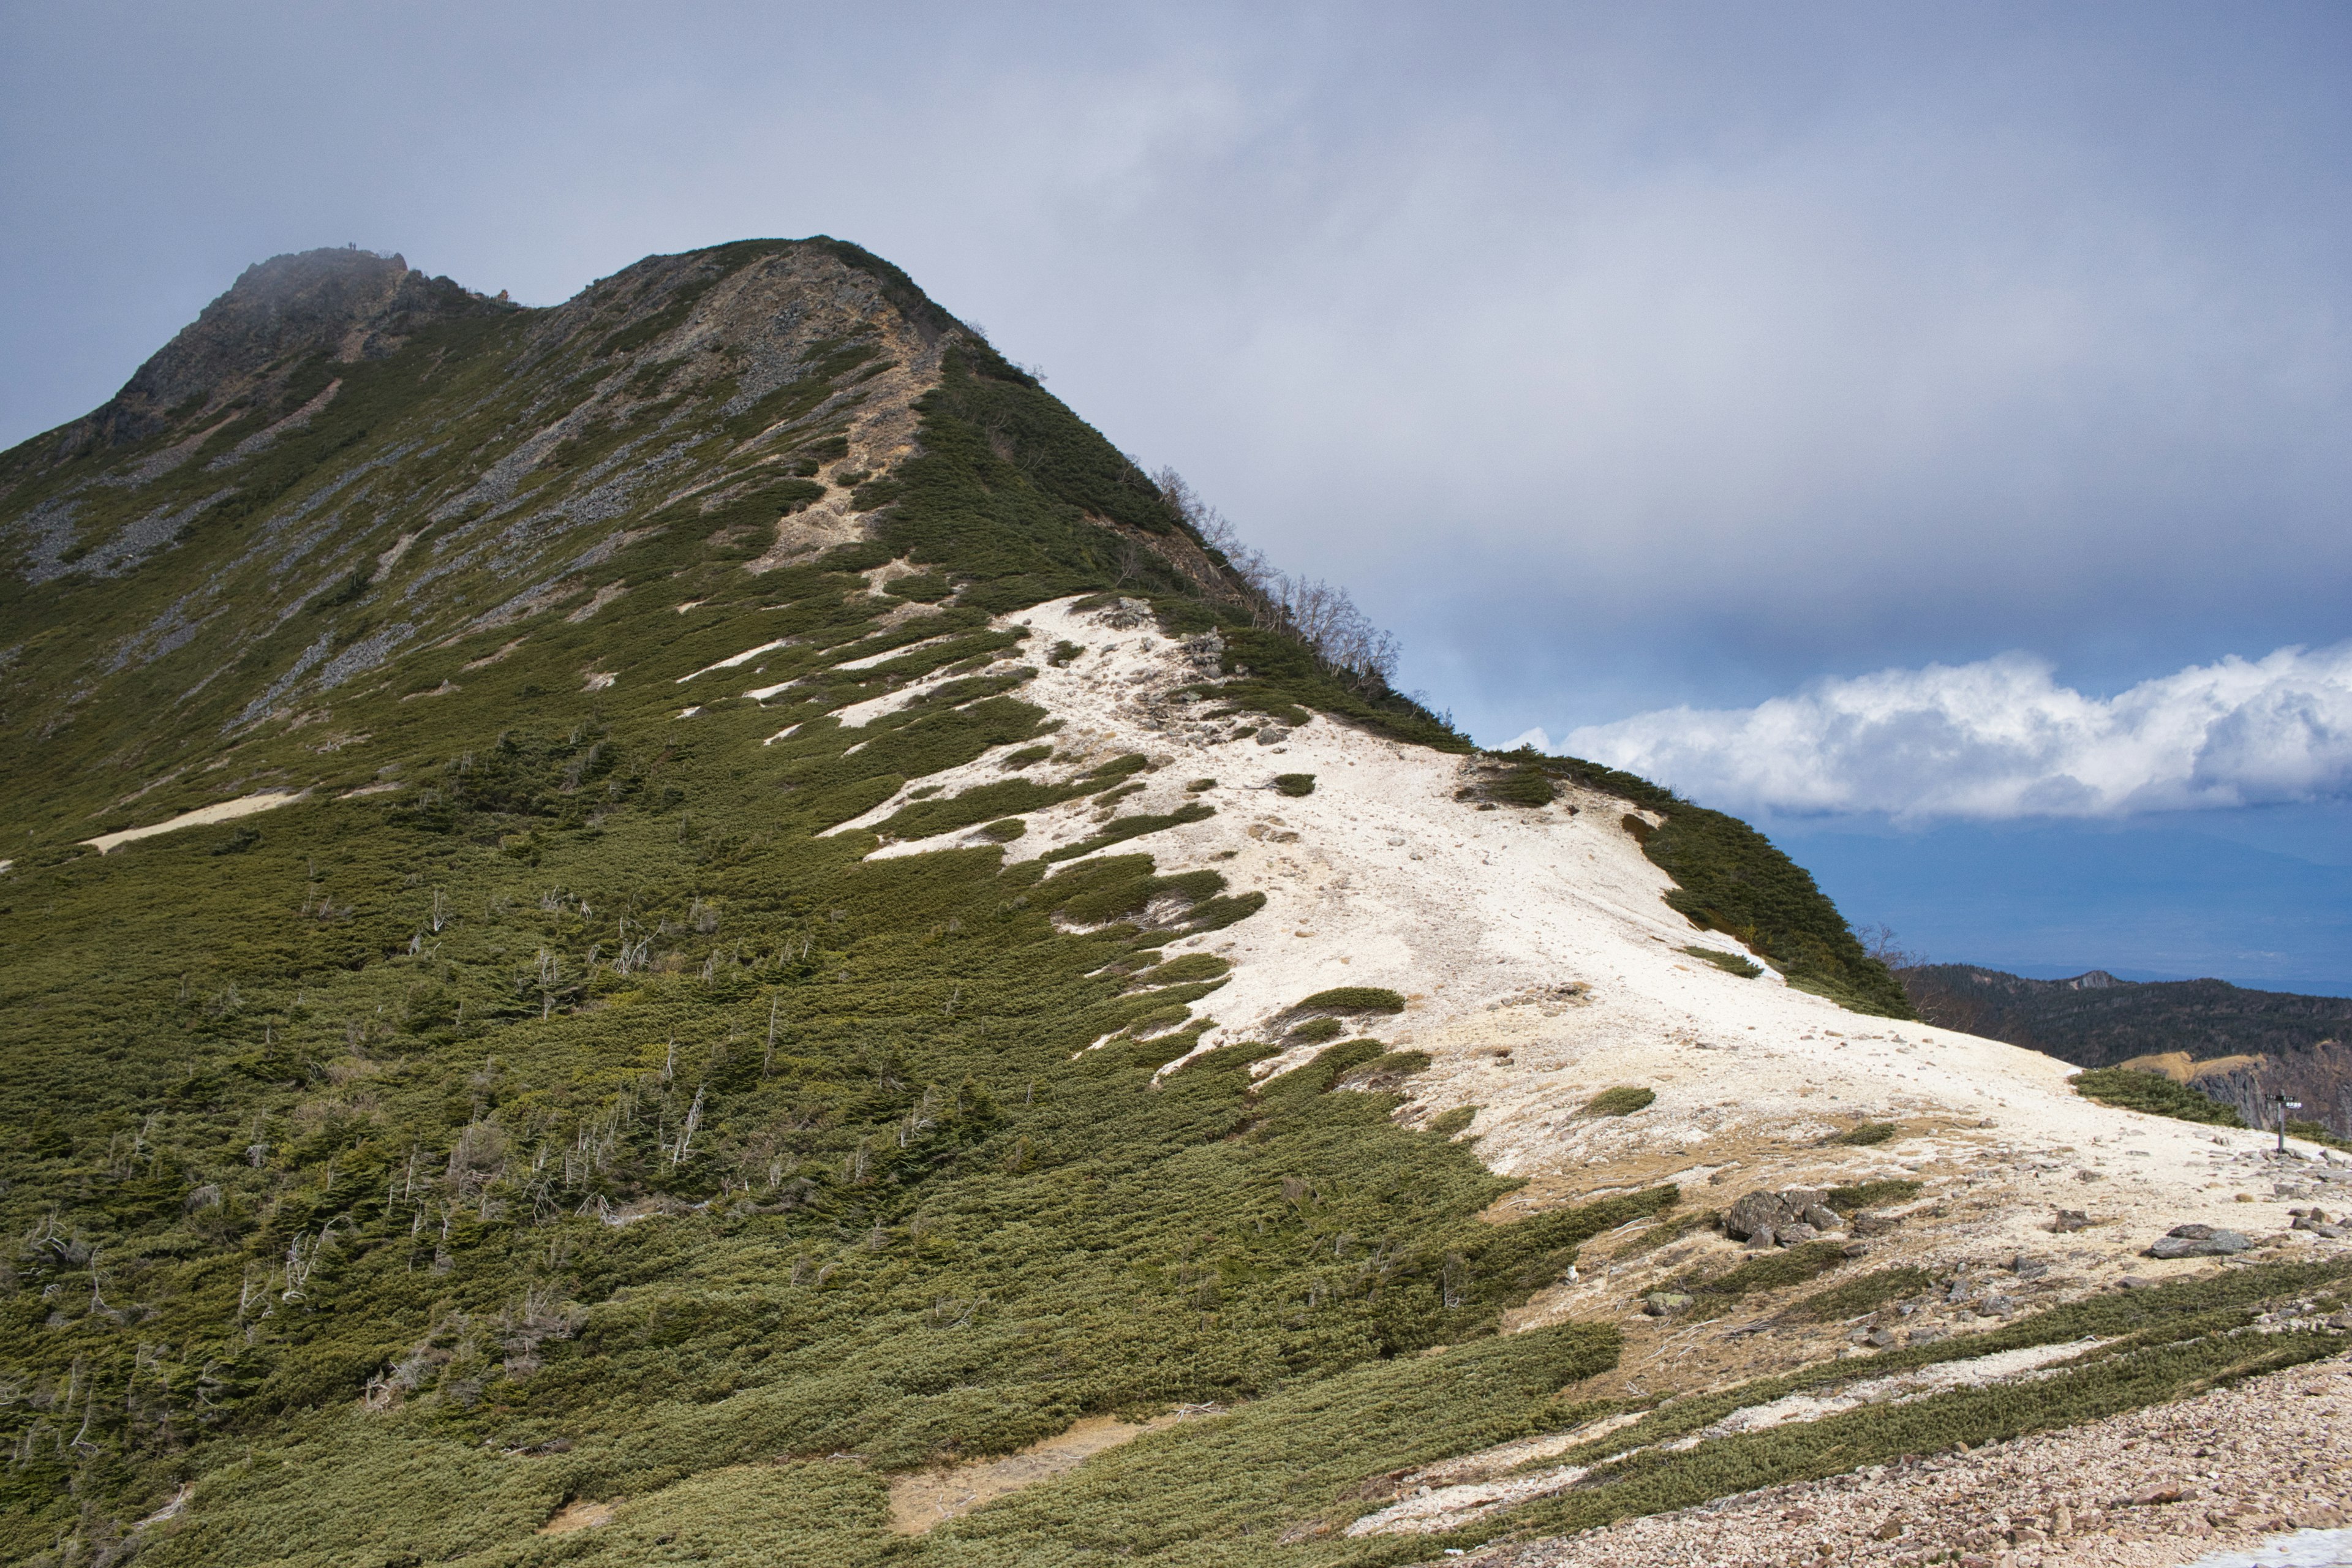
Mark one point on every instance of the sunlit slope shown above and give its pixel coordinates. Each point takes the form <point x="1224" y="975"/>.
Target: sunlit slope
<point x="787" y="924"/>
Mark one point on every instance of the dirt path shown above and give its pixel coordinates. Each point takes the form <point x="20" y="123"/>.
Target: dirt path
<point x="930" y="1498"/>
<point x="227" y="811"/>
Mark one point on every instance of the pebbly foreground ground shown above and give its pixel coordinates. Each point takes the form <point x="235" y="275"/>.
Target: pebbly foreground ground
<point x="2208" y="1479"/>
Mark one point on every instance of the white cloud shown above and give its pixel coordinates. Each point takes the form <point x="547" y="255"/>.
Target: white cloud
<point x="2000" y="739"/>
<point x="1536" y="737"/>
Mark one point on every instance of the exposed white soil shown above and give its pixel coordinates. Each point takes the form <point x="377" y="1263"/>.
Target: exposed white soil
<point x="746" y="657"/>
<point x="2150" y="1488"/>
<point x="490" y="659"/>
<point x="1541" y="964"/>
<point x="226" y="811"/>
<point x="601" y="597"/>
<point x="1436" y="1501"/>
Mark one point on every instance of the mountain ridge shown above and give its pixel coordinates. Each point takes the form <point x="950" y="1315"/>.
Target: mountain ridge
<point x="796" y="924"/>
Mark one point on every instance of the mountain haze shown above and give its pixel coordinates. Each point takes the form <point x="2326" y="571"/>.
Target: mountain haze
<point x="696" y="926"/>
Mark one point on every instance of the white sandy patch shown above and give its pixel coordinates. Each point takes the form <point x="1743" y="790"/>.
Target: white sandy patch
<point x="490" y="659"/>
<point x="383" y="787"/>
<point x="1541" y="964"/>
<point x="857" y="715"/>
<point x="1435" y="1505"/>
<point x="598" y="680"/>
<point x="871" y="659"/>
<point x="1901" y="1388"/>
<point x="746" y="657"/>
<point x="603" y="596"/>
<point x="391" y="558"/>
<point x="226" y="811"/>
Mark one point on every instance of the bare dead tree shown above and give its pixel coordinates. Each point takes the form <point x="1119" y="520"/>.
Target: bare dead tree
<point x="1322" y="615"/>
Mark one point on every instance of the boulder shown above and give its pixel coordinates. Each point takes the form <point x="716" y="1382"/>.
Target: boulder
<point x="2198" y="1241"/>
<point x="2070" y="1220"/>
<point x="1665" y="1304"/>
<point x="1763" y="1217"/>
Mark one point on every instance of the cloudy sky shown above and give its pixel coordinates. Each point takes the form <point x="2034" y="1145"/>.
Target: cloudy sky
<point x="1921" y="428"/>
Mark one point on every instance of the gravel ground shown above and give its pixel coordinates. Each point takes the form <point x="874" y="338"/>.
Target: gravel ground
<point x="2153" y="1489"/>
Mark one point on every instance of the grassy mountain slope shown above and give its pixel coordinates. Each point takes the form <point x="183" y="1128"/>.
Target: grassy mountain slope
<point x="545" y="1107"/>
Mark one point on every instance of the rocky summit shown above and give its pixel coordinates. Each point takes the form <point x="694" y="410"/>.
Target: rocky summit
<point x="696" y="926"/>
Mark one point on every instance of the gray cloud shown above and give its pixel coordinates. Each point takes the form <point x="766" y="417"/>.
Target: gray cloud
<point x="2002" y="739"/>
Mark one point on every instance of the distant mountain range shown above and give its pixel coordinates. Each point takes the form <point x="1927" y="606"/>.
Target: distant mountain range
<point x="2096" y="1020"/>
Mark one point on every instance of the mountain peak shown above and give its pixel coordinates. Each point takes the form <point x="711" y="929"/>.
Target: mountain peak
<point x="347" y="304"/>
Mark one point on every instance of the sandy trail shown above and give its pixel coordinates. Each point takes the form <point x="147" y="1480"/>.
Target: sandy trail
<point x="930" y="1498"/>
<point x="226" y="811"/>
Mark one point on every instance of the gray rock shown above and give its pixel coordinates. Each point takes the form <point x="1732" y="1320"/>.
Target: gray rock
<point x="1664" y="1303"/>
<point x="1821" y="1217"/>
<point x="2070" y="1220"/>
<point x="1883" y="1338"/>
<point x="1750" y="1212"/>
<point x="2199" y="1241"/>
<point x="1872" y="1225"/>
<point x="2026" y="1267"/>
<point x="1789" y="1236"/>
<point x="1928" y="1336"/>
<point x="1273" y="735"/>
<point x="1762" y="1217"/>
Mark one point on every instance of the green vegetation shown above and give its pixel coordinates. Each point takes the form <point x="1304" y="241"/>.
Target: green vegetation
<point x="552" y="1105"/>
<point x="1729" y="963"/>
<point x="2132" y="1089"/>
<point x="1866" y="1135"/>
<point x="1623" y="1101"/>
<point x="2315" y="1133"/>
<point x="1350" y="999"/>
<point x="1769" y="1271"/>
<point x="1294" y="783"/>
<point x="1863" y="1293"/>
<point x="1873" y="1194"/>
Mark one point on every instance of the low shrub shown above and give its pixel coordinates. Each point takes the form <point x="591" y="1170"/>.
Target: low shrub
<point x="1352" y="999"/>
<point x="1772" y="1270"/>
<point x="1623" y="1101"/>
<point x="1729" y="963"/>
<point x="1294" y="783"/>
<point x="1865" y="1135"/>
<point x="1862" y="1294"/>
<point x="1873" y="1194"/>
<point x="2130" y="1090"/>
